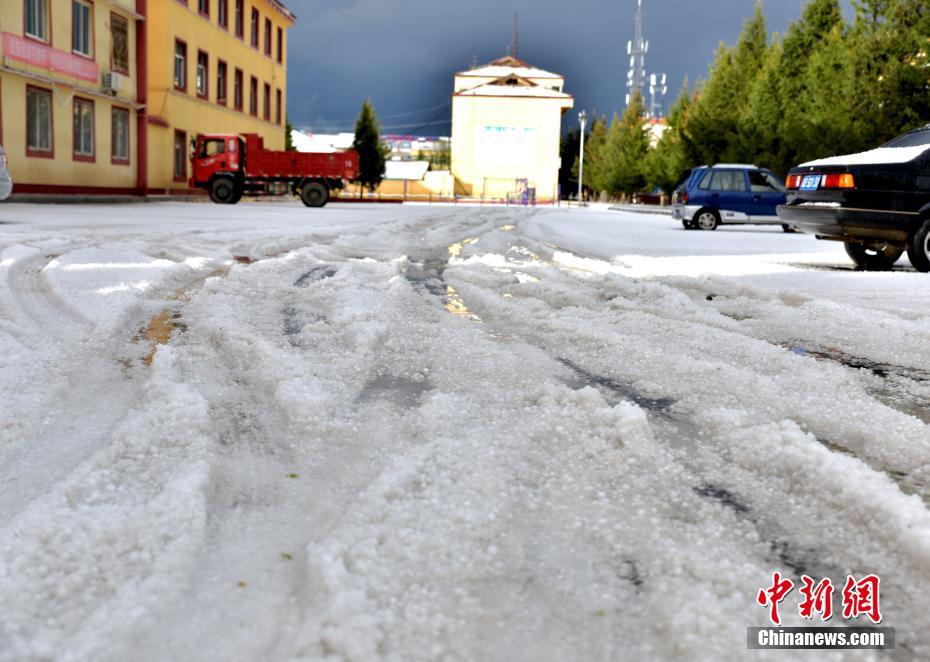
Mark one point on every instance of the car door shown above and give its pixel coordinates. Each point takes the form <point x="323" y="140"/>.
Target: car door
<point x="767" y="192"/>
<point x="922" y="184"/>
<point x="210" y="158"/>
<point x="729" y="192"/>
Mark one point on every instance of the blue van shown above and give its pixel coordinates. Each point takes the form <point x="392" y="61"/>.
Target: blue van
<point x="728" y="194"/>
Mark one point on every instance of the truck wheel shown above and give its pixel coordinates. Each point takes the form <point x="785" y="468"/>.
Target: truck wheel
<point x="873" y="257"/>
<point x="706" y="219"/>
<point x="918" y="248"/>
<point x="314" y="194"/>
<point x="223" y="191"/>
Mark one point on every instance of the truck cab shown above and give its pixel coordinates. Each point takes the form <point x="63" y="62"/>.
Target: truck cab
<point x="215" y="154"/>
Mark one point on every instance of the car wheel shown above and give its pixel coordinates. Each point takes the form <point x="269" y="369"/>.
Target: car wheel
<point x="706" y="219"/>
<point x="788" y="229"/>
<point x="314" y="194"/>
<point x="874" y="257"/>
<point x="687" y="225"/>
<point x="223" y="190"/>
<point x="918" y="248"/>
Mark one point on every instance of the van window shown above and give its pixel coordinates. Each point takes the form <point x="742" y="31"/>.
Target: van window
<point x="764" y="182"/>
<point x="724" y="180"/>
<point x="683" y="178"/>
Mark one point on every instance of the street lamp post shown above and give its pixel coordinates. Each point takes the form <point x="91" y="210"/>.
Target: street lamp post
<point x="583" y="118"/>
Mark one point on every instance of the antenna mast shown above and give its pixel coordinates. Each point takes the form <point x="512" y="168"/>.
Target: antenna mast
<point x="658" y="88"/>
<point x="515" y="40"/>
<point x="637" y="49"/>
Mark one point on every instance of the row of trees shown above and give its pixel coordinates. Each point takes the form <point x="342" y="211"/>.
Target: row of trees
<point x="828" y="86"/>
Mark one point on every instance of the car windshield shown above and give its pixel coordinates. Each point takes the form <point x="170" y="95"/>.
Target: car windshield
<point x="919" y="138"/>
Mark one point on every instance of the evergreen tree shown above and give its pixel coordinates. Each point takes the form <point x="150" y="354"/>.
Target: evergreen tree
<point x="626" y="149"/>
<point x="713" y="119"/>
<point x="893" y="58"/>
<point x="288" y="138"/>
<point x="665" y="164"/>
<point x="762" y="115"/>
<point x="595" y="169"/>
<point x="751" y="49"/>
<point x="371" y="151"/>
<point x="804" y="39"/>
<point x="569" y="147"/>
<point x="713" y="133"/>
<point x="826" y="88"/>
<point x="872" y="11"/>
<point x="830" y="122"/>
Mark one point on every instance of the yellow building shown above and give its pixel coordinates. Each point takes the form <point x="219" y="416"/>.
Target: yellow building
<point x="213" y="65"/>
<point x="69" y="96"/>
<point x="102" y="97"/>
<point x="506" y="128"/>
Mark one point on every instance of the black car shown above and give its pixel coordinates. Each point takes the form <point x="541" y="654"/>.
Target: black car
<point x="877" y="202"/>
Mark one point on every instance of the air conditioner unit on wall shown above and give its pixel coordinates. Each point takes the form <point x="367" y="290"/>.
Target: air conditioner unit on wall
<point x="112" y="82"/>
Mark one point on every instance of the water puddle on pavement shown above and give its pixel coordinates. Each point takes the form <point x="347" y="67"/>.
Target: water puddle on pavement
<point x="723" y="497"/>
<point x="617" y="391"/>
<point x="162" y="326"/>
<point x="402" y="391"/>
<point x="525" y="252"/>
<point x="896" y="398"/>
<point x="856" y="363"/>
<point x="455" y="250"/>
<point x="315" y="274"/>
<point x="185" y="292"/>
<point x="906" y="483"/>
<point x="159" y="331"/>
<point x="455" y="305"/>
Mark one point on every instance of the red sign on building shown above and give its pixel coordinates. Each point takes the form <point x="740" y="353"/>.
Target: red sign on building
<point x="39" y="55"/>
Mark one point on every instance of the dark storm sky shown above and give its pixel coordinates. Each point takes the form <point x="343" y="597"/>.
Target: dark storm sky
<point x="403" y="53"/>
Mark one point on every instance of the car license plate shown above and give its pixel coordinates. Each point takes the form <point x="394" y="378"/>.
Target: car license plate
<point x="810" y="182"/>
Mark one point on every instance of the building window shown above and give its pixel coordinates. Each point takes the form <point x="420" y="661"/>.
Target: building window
<point x="255" y="21"/>
<point x="221" y="82"/>
<point x="280" y="46"/>
<point x="277" y="107"/>
<point x="203" y="73"/>
<point x="180" y="65"/>
<point x="253" y="96"/>
<point x="266" y="103"/>
<point x="180" y="156"/>
<point x="119" y="150"/>
<point x="240" y="19"/>
<point x="222" y="13"/>
<point x="237" y="89"/>
<point x="37" y="19"/>
<point x="268" y="37"/>
<point x="119" y="38"/>
<point x="39" y="122"/>
<point x="82" y="27"/>
<point x="83" y="129"/>
<point x="203" y="6"/>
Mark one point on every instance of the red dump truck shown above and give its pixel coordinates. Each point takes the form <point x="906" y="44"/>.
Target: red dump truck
<point x="229" y="165"/>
